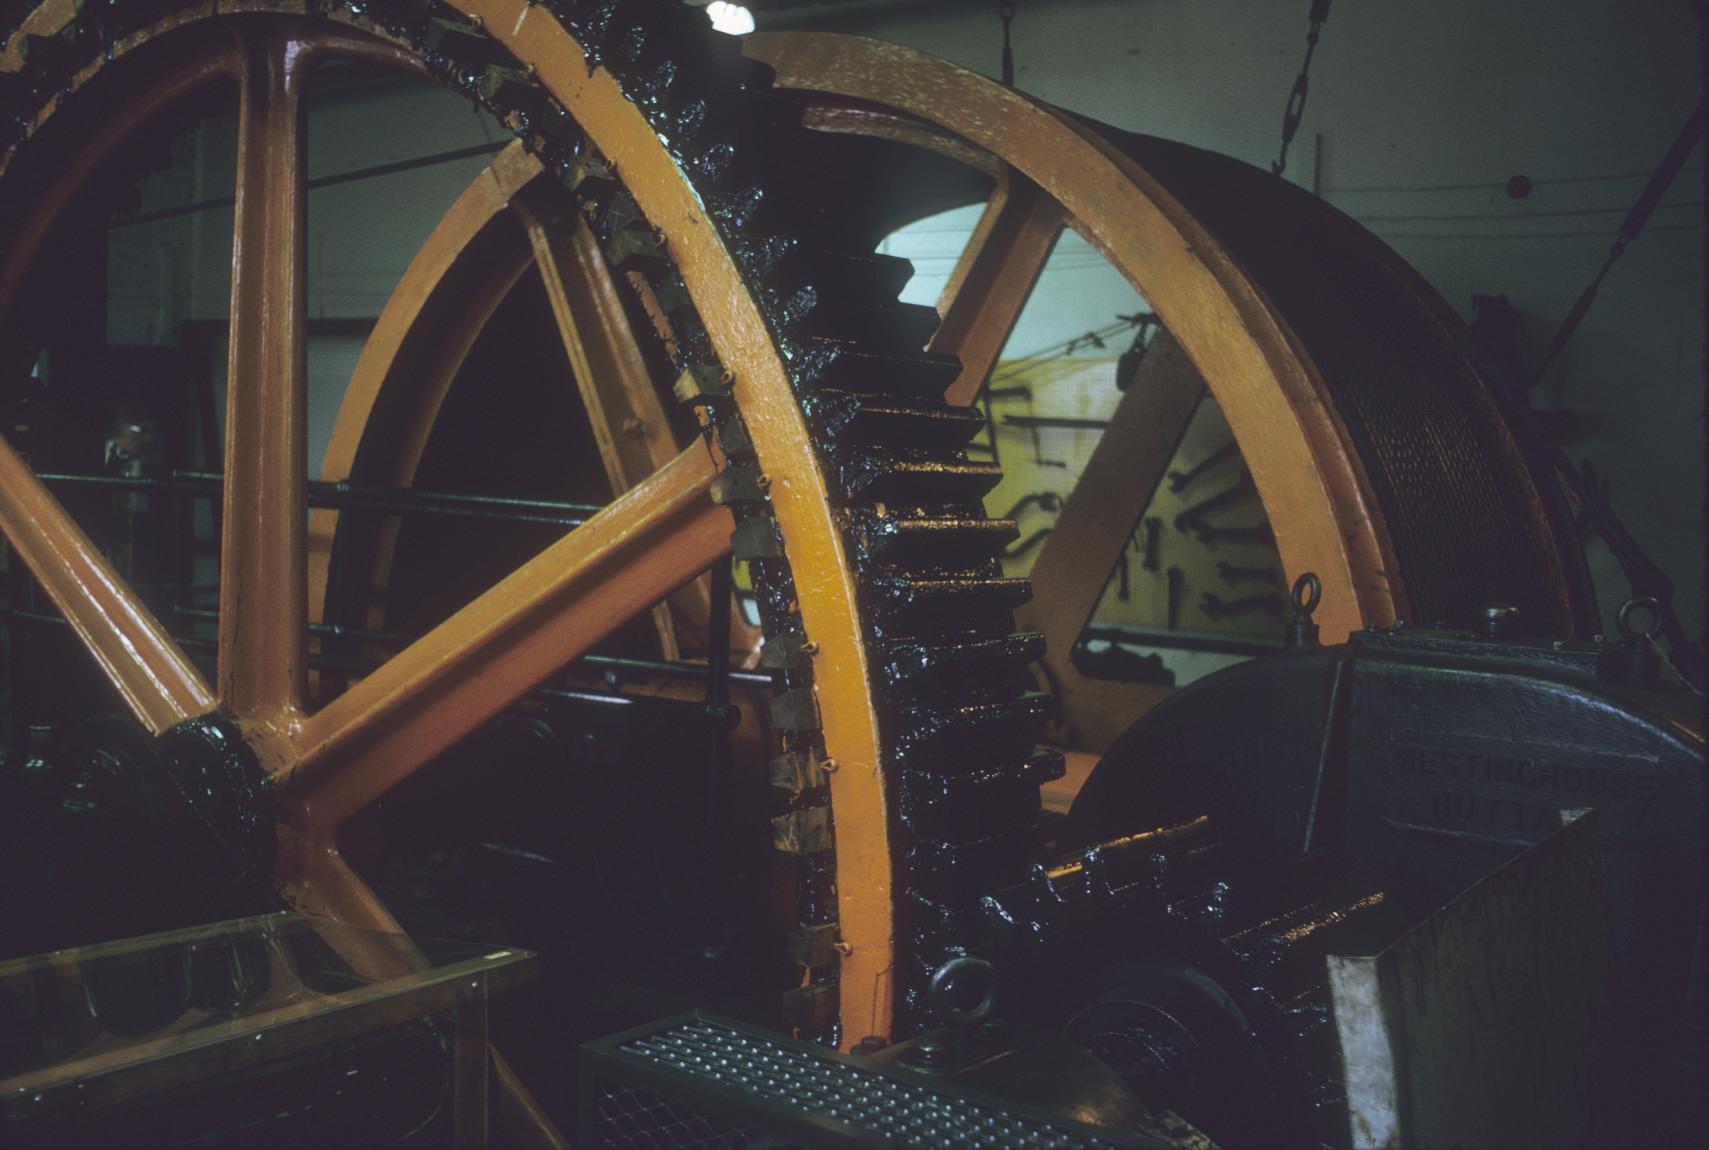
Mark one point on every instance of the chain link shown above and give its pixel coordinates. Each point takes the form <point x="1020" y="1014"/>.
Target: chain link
<point x="1295" y="110"/>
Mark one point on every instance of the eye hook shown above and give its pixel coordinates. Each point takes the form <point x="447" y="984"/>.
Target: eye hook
<point x="1639" y="603"/>
<point x="1306" y="594"/>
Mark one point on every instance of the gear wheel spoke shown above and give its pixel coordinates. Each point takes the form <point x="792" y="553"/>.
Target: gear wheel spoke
<point x="482" y="659"/>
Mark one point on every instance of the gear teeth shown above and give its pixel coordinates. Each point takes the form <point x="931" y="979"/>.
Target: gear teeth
<point x="739" y="483"/>
<point x="931" y="609"/>
<point x="790" y="651"/>
<point x="1002" y="593"/>
<point x="950" y="876"/>
<point x="960" y="667"/>
<point x="672" y="296"/>
<point x="756" y="538"/>
<point x="874" y="477"/>
<point x="745" y="208"/>
<point x="1044" y="765"/>
<point x="702" y="383"/>
<point x="811" y="1009"/>
<point x="690" y="120"/>
<point x="591" y="22"/>
<point x="1000" y="801"/>
<point x="754" y="75"/>
<point x="658" y="81"/>
<point x="799" y="771"/>
<point x="864" y="419"/>
<point x="636" y="247"/>
<point x="803" y="831"/>
<point x="591" y="180"/>
<point x="947" y="738"/>
<point x="733" y="438"/>
<point x="621" y="213"/>
<point x="728" y="160"/>
<point x="462" y="43"/>
<point x="813" y="945"/>
<point x="629" y="32"/>
<point x="838" y="365"/>
<point x="510" y="92"/>
<point x="840" y="279"/>
<point x="795" y="710"/>
<point x="899" y="328"/>
<point x="934" y="543"/>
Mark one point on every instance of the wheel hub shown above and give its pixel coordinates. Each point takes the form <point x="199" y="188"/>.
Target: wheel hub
<point x="192" y="800"/>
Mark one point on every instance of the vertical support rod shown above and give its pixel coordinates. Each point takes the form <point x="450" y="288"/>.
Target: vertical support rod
<point x="717" y="701"/>
<point x="470" y="1069"/>
<point x="263" y="557"/>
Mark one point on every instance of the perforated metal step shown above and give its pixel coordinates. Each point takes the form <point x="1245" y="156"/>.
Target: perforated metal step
<point x="700" y="1081"/>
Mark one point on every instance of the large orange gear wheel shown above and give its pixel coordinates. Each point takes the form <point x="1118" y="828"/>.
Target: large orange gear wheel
<point x="1362" y="410"/>
<point x="837" y="468"/>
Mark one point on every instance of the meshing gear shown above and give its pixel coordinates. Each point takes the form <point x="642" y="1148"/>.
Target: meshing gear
<point x="786" y="341"/>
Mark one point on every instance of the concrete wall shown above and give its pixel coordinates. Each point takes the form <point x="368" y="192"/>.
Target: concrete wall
<point x="1422" y="113"/>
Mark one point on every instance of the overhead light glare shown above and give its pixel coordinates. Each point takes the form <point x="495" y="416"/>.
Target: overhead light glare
<point x="731" y="18"/>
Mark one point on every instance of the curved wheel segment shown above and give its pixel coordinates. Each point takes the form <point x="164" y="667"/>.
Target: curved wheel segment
<point x="1355" y="443"/>
<point x="1229" y="330"/>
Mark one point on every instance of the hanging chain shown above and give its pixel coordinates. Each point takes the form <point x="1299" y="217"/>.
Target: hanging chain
<point x="1007" y="11"/>
<point x="1296" y="98"/>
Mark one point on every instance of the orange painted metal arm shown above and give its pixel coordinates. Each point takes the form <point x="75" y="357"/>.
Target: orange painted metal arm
<point x="660" y="535"/>
<point x="1111" y="494"/>
<point x="263" y="575"/>
<point x="616" y="388"/>
<point x="994" y="278"/>
<point x="158" y="682"/>
<point x="1074" y="564"/>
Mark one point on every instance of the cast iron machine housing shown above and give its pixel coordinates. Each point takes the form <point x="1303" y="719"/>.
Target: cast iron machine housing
<point x="1338" y="792"/>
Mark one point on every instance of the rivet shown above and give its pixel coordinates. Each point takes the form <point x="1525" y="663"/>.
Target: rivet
<point x="829" y="766"/>
<point x="842" y="948"/>
<point x="809" y="648"/>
